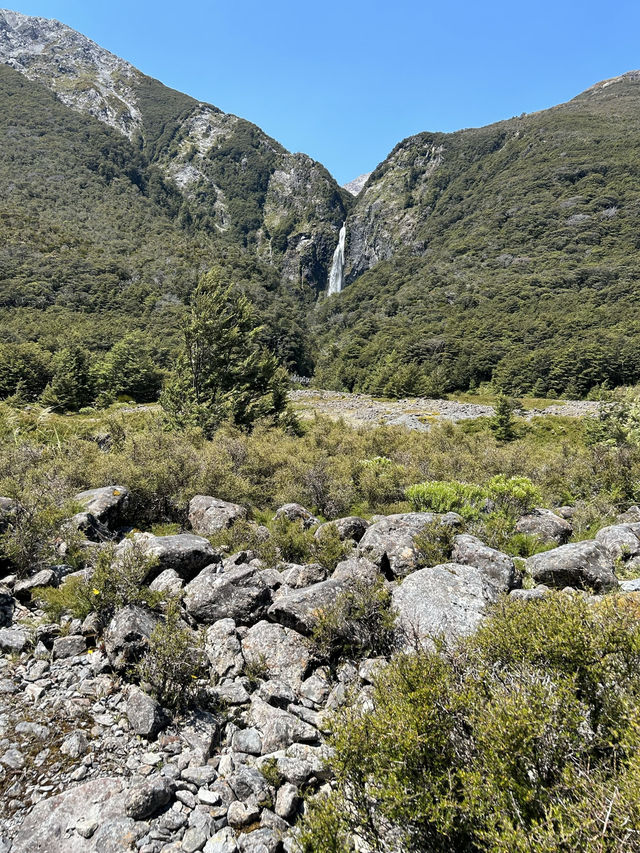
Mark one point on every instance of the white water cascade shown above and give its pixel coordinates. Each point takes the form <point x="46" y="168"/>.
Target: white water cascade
<point x="337" y="265"/>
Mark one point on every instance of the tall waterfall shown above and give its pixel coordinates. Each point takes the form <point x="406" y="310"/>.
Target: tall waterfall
<point x="337" y="265"/>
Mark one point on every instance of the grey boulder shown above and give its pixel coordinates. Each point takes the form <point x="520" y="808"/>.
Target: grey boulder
<point x="298" y="577"/>
<point x="209" y="515"/>
<point x="283" y="651"/>
<point x="298" y="608"/>
<point x="127" y="636"/>
<point x="150" y="796"/>
<point x="108" y="504"/>
<point x="14" y="640"/>
<point x="620" y="540"/>
<point x="450" y="600"/>
<point x="581" y="565"/>
<point x="145" y="715"/>
<point x="546" y="526"/>
<point x="296" y="512"/>
<point x="470" y="551"/>
<point x="351" y="527"/>
<point x="184" y="553"/>
<point x="240" y="594"/>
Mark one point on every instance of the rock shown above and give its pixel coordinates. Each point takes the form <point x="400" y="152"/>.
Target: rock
<point x="92" y="529"/>
<point x="13" y="640"/>
<point x="247" y="740"/>
<point x="47" y="827"/>
<point x="23" y="589"/>
<point x="145" y="715"/>
<point x="224" y="649"/>
<point x="259" y="841"/>
<point x="631" y="516"/>
<point x="200" y="775"/>
<point x="146" y="799"/>
<point x="351" y="527"/>
<point x="389" y="542"/>
<point x="279" y="728"/>
<point x="287" y="800"/>
<point x="108" y="505"/>
<point x="546" y="526"/>
<point x="185" y="553"/>
<point x="276" y="692"/>
<point x="69" y="647"/>
<point x="530" y="594"/>
<point x="208" y="515"/>
<point x="296" y="512"/>
<point x="298" y="609"/>
<point x="283" y="651"/>
<point x="127" y="636"/>
<point x="449" y="600"/>
<point x="582" y="565"/>
<point x="470" y="551"/>
<point x="239" y="594"/>
<point x="168" y="581"/>
<point x="223" y="841"/>
<point x="620" y="540"/>
<point x="297" y="577"/>
<point x="194" y="839"/>
<point x="240" y="814"/>
<point x="7" y="606"/>
<point x="75" y="745"/>
<point x="13" y="759"/>
<point x="356" y="569"/>
<point x="200" y="731"/>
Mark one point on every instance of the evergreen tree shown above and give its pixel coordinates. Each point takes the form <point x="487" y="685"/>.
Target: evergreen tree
<point x="71" y="386"/>
<point x="128" y="369"/>
<point x="503" y="423"/>
<point x="223" y="372"/>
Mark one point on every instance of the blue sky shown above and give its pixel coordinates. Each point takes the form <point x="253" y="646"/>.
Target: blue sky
<point x="345" y="81"/>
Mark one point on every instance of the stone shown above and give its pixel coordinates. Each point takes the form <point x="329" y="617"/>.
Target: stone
<point x="276" y="692"/>
<point x="92" y="529"/>
<point x="356" y="569"/>
<point x="248" y="782"/>
<point x="200" y="775"/>
<point x="449" y="600"/>
<point x="630" y="585"/>
<point x="259" y="841"/>
<point x="144" y="713"/>
<point x="75" y="745"/>
<point x="631" y="516"/>
<point x="545" y="526"/>
<point x="534" y="594"/>
<point x="279" y="728"/>
<point x="389" y="542"/>
<point x="150" y="796"/>
<point x="620" y="540"/>
<point x="296" y="512"/>
<point x="297" y="609"/>
<point x="240" y="814"/>
<point x="287" y="800"/>
<point x="239" y="594"/>
<point x="471" y="551"/>
<point x="284" y="652"/>
<point x="351" y="527"/>
<point x="23" y="589"/>
<point x="200" y="731"/>
<point x="127" y="636"/>
<point x="208" y="515"/>
<point x="224" y="649"/>
<point x="582" y="565"/>
<point x="108" y="504"/>
<point x="13" y="759"/>
<point x="247" y="740"/>
<point x="45" y="829"/>
<point x="185" y="553"/>
<point x="167" y="581"/>
<point x="69" y="647"/>
<point x="194" y="839"/>
<point x="316" y="689"/>
<point x="7" y="606"/>
<point x="13" y="640"/>
<point x="297" y="577"/>
<point x="222" y="842"/>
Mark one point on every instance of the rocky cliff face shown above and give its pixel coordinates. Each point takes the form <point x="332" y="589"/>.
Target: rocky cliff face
<point x="239" y="182"/>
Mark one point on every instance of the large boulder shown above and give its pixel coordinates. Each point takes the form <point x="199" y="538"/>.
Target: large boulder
<point x="209" y="515"/>
<point x="545" y="526"/>
<point x="108" y="504"/>
<point x="356" y="569"/>
<point x="471" y="551"/>
<point x="240" y="594"/>
<point x="45" y="577"/>
<point x="78" y="820"/>
<point x="449" y="600"/>
<point x="127" y="636"/>
<point x="283" y="651"/>
<point x="145" y="714"/>
<point x="185" y="553"/>
<point x="298" y="608"/>
<point x="224" y="649"/>
<point x="296" y="576"/>
<point x="582" y="565"/>
<point x="351" y="527"/>
<point x="146" y="799"/>
<point x="620" y="540"/>
<point x="14" y="640"/>
<point x="390" y="541"/>
<point x="278" y="728"/>
<point x="296" y="512"/>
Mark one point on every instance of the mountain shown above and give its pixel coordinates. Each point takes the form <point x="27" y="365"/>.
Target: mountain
<point x="355" y="186"/>
<point x="506" y="253"/>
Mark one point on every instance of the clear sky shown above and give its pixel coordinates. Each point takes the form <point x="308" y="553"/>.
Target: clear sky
<point x="345" y="80"/>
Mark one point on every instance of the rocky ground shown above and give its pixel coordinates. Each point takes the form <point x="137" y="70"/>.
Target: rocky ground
<point x="90" y="763"/>
<point x="416" y="413"/>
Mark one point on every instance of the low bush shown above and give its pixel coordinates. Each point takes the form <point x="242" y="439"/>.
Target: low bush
<point x="524" y="737"/>
<point x="512" y="496"/>
<point x="434" y="544"/>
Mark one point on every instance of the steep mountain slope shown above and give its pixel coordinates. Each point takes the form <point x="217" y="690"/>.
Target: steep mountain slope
<point x="508" y="251"/>
<point x="240" y="185"/>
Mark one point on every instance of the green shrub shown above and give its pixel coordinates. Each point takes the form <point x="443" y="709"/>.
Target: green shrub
<point x="173" y="662"/>
<point x="329" y="549"/>
<point x="434" y="543"/>
<point x="523" y="737"/>
<point x="358" y="624"/>
<point x="510" y="495"/>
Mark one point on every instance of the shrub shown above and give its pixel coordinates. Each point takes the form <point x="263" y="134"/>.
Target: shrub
<point x="434" y="543"/>
<point x="523" y="737"/>
<point x="329" y="549"/>
<point x="358" y="624"/>
<point x="173" y="662"/>
<point x="510" y="495"/>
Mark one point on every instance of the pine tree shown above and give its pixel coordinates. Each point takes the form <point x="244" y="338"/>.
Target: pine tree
<point x="223" y="372"/>
<point x="71" y="386"/>
<point x="128" y="369"/>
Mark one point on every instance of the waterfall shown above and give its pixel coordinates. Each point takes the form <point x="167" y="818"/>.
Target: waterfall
<point x="337" y="265"/>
